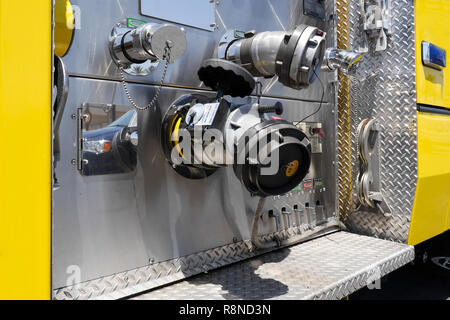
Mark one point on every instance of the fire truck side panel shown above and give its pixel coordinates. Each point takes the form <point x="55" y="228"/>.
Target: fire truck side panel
<point x="25" y="125"/>
<point x="431" y="211"/>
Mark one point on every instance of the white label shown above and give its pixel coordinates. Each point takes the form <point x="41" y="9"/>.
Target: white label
<point x="209" y="113"/>
<point x="194" y="13"/>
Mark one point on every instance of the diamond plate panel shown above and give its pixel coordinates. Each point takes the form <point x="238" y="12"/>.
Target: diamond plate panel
<point x="345" y="200"/>
<point x="392" y="227"/>
<point x="383" y="88"/>
<point x="155" y="275"/>
<point x="330" y="267"/>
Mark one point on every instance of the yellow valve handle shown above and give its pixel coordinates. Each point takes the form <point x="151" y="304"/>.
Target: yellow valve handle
<point x="173" y="134"/>
<point x="64" y="26"/>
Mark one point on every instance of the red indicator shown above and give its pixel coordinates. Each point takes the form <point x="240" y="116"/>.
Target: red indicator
<point x="308" y="184"/>
<point x="320" y="132"/>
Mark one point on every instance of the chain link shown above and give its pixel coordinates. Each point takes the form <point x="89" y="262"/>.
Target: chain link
<point x="166" y="58"/>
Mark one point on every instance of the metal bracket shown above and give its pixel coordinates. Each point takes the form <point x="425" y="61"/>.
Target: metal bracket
<point x="81" y="117"/>
<point x="368" y="131"/>
<point x="380" y="203"/>
<point x="79" y="156"/>
<point x="377" y="23"/>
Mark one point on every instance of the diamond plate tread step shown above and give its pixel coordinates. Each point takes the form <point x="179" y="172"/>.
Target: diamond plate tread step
<point x="329" y="267"/>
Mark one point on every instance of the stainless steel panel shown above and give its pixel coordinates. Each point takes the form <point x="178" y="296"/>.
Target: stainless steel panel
<point x="89" y="54"/>
<point x="193" y="13"/>
<point x="103" y="141"/>
<point x="108" y="224"/>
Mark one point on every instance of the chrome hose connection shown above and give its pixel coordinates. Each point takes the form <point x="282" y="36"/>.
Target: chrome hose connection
<point x="295" y="57"/>
<point x="151" y="104"/>
<point x="347" y="61"/>
<point x="138" y="51"/>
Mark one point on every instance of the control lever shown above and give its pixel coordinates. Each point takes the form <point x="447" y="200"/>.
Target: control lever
<point x="311" y="214"/>
<point x="277" y="108"/>
<point x="288" y="214"/>
<point x="299" y="214"/>
<point x="320" y="213"/>
<point x="275" y="216"/>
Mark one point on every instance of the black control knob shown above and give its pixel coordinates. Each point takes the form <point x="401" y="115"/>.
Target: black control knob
<point x="277" y="108"/>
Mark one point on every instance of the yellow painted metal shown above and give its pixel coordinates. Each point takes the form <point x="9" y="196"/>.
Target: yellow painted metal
<point x="431" y="213"/>
<point x="432" y="18"/>
<point x="25" y="162"/>
<point x="431" y="210"/>
<point x="64" y="26"/>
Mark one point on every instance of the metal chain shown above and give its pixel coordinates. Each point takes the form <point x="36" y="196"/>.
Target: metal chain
<point x="166" y="58"/>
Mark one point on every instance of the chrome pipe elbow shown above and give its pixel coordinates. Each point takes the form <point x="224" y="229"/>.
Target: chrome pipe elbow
<point x="344" y="60"/>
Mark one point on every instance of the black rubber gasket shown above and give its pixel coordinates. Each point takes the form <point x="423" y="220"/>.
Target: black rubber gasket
<point x="187" y="171"/>
<point x="433" y="109"/>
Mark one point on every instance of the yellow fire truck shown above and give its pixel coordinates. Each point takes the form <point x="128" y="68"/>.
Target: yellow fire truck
<point x="130" y="128"/>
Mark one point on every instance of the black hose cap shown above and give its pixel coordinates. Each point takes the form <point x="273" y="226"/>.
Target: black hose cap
<point x="226" y="77"/>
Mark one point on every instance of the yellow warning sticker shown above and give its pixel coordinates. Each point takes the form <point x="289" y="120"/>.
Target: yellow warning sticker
<point x="292" y="168"/>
